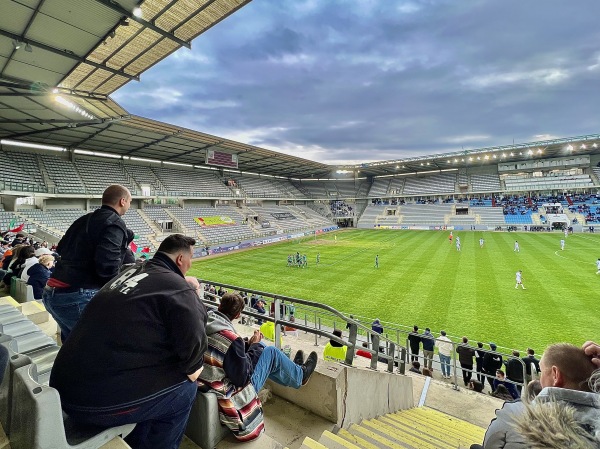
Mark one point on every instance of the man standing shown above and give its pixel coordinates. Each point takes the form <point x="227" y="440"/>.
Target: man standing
<point x="528" y="361"/>
<point x="414" y="340"/>
<point x="318" y="258"/>
<point x="465" y="358"/>
<point x="519" y="278"/>
<point x="562" y="244"/>
<point x="514" y="370"/>
<point x="517" y="249"/>
<point x="428" y="341"/>
<point x="491" y="363"/>
<point x="376" y="260"/>
<point x="481" y="241"/>
<point x="92" y="252"/>
<point x="136" y="352"/>
<point x="598" y="266"/>
<point x="236" y="371"/>
<point x="444" y="345"/>
<point x="457" y="243"/>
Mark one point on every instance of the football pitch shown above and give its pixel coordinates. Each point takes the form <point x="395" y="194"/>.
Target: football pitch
<point x="422" y="279"/>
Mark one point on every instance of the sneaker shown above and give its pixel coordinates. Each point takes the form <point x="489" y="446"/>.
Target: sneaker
<point x="299" y="358"/>
<point x="308" y="367"/>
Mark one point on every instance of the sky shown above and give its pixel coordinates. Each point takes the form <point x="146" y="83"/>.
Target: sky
<point x="352" y="81"/>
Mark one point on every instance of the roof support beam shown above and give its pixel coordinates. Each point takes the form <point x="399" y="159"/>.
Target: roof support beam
<point x="90" y="137"/>
<point x="68" y="54"/>
<point x="71" y="126"/>
<point x="112" y="4"/>
<point x="210" y="145"/>
<point x="154" y="142"/>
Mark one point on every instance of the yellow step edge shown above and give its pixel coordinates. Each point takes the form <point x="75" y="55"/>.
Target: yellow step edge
<point x="455" y="429"/>
<point x="312" y="444"/>
<point x="442" y="420"/>
<point x="38" y="305"/>
<point x="356" y="439"/>
<point x="11" y="301"/>
<point x="410" y="437"/>
<point x="369" y="431"/>
<point x="423" y="432"/>
<point x="335" y="441"/>
<point x="430" y="413"/>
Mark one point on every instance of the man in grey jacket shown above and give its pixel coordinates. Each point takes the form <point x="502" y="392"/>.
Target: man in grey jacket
<point x="565" y="374"/>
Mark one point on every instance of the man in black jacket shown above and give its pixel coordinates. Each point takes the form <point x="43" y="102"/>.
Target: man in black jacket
<point x="514" y="370"/>
<point x="528" y="361"/>
<point x="491" y="363"/>
<point x="92" y="251"/>
<point x="414" y="340"/>
<point x="465" y="358"/>
<point x="136" y="352"/>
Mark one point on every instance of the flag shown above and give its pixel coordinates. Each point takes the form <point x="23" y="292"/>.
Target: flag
<point x="146" y="249"/>
<point x="133" y="247"/>
<point x="12" y="224"/>
<point x="17" y="229"/>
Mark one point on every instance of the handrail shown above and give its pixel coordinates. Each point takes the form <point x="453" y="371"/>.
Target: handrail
<point x="353" y="329"/>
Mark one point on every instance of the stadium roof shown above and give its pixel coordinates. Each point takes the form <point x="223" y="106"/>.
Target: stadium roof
<point x="61" y="59"/>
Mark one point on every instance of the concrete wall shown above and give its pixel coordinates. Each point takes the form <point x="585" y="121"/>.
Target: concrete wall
<point x="346" y="395"/>
<point x="65" y="203"/>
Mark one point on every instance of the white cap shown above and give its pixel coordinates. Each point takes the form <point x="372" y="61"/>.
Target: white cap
<point x="41" y="251"/>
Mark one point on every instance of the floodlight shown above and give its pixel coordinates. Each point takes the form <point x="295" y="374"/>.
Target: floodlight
<point x="530" y="152"/>
<point x="16" y="44"/>
<point x="570" y="147"/>
<point x="28" y="48"/>
<point x="595" y="145"/>
<point x="137" y="11"/>
<point x="583" y="146"/>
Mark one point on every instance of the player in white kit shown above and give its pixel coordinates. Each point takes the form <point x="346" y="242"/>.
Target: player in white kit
<point x="481" y="242"/>
<point x="562" y="244"/>
<point x="517" y="249"/>
<point x="457" y="243"/>
<point x="519" y="277"/>
<point x="598" y="266"/>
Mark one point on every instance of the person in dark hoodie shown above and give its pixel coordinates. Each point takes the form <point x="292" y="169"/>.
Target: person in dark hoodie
<point x="491" y="363"/>
<point x="428" y="341"/>
<point x="135" y="354"/>
<point x="39" y="274"/>
<point x="236" y="370"/>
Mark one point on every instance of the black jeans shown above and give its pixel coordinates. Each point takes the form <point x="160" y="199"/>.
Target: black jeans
<point x="466" y="374"/>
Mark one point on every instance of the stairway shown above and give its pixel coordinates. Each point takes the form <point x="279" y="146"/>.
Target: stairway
<point x="417" y="428"/>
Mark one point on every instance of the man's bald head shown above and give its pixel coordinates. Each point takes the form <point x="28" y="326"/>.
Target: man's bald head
<point x="117" y="197"/>
<point x="566" y="366"/>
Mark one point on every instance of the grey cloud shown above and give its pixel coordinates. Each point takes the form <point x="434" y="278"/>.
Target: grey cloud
<point x="384" y="79"/>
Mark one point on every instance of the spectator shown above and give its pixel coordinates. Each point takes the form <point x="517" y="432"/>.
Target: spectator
<point x="514" y="370"/>
<point x="479" y="354"/>
<point x="510" y="387"/>
<point x="236" y="372"/>
<point x="567" y="373"/>
<point x="15" y="269"/>
<point x="465" y="358"/>
<point x="259" y="306"/>
<point x="532" y="389"/>
<point x="501" y="392"/>
<point x="39" y="274"/>
<point x="428" y="345"/>
<point x="377" y="327"/>
<point x="33" y="261"/>
<point x="427" y="372"/>
<point x="334" y="351"/>
<point x="444" y="345"/>
<point x="92" y="252"/>
<point x="528" y="361"/>
<point x="476" y="386"/>
<point x="363" y="353"/>
<point x="136" y="352"/>
<point x="416" y="367"/>
<point x="491" y="363"/>
<point x="414" y="340"/>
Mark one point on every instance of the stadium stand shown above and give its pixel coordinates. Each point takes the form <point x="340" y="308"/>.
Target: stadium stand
<point x="64" y="175"/>
<point x="184" y="183"/>
<point x="562" y="182"/>
<point x="97" y="175"/>
<point x="259" y="187"/>
<point x="24" y="173"/>
<point x="416" y="214"/>
<point x="485" y="182"/>
<point x="144" y="175"/>
<point x="438" y="183"/>
<point x="379" y="187"/>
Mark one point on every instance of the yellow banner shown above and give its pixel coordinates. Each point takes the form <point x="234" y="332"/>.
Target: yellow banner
<point x="215" y="220"/>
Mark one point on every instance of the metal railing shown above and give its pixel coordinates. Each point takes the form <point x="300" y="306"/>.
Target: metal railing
<point x="395" y="355"/>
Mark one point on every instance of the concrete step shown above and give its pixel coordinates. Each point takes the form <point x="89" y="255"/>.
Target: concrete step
<point x="115" y="443"/>
<point x="309" y="443"/>
<point x="376" y="437"/>
<point x="332" y="441"/>
<point x="35" y="311"/>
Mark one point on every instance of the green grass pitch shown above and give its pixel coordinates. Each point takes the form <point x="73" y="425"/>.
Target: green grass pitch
<point x="422" y="279"/>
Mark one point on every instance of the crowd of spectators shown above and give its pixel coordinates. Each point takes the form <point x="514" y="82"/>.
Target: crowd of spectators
<point x="339" y="208"/>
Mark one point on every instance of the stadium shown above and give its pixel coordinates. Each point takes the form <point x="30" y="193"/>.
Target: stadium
<point x="433" y="240"/>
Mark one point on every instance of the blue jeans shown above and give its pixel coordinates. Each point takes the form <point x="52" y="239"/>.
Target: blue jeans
<point x="273" y="364"/>
<point x="66" y="308"/>
<point x="161" y="420"/>
<point x="445" y="362"/>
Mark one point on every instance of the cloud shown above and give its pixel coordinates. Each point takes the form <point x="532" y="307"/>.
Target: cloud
<point x="347" y="81"/>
